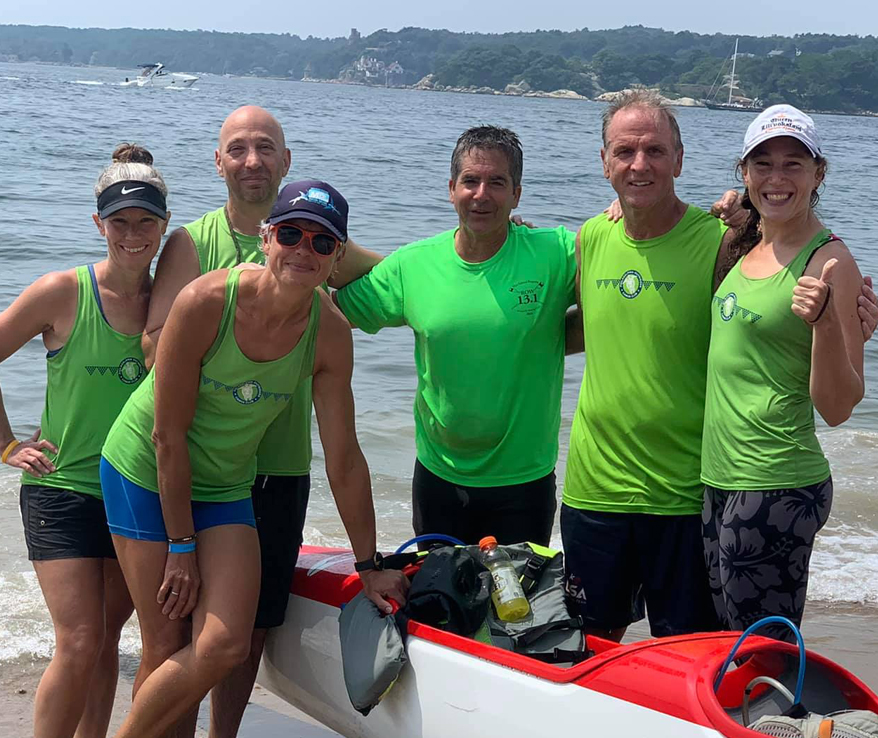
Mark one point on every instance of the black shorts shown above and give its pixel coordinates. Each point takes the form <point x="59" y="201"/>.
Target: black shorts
<point x="618" y="562"/>
<point x="279" y="505"/>
<point x="512" y="514"/>
<point x="62" y="524"/>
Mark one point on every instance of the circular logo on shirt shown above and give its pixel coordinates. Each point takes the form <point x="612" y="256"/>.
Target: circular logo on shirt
<point x="527" y="296"/>
<point x="631" y="284"/>
<point x="131" y="370"/>
<point x="727" y="306"/>
<point x="248" y="392"/>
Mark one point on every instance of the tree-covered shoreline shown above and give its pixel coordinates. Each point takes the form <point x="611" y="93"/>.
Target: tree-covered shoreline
<point x="812" y="71"/>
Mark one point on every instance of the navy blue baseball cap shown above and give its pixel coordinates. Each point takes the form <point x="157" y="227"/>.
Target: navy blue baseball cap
<point x="311" y="199"/>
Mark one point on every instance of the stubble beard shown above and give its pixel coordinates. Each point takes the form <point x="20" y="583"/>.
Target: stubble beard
<point x="263" y="197"/>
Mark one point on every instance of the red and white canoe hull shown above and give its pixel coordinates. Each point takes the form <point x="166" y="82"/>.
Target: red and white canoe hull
<point x="443" y="692"/>
<point x="453" y="686"/>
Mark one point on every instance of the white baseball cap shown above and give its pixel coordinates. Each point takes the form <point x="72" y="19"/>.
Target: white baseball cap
<point x="782" y="120"/>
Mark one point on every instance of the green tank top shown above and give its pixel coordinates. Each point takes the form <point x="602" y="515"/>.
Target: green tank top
<point x="759" y="419"/>
<point x="286" y="448"/>
<point x="88" y="381"/>
<point x="238" y="400"/>
<point x="636" y="436"/>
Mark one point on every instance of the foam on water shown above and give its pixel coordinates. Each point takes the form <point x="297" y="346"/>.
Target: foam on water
<point x="25" y="628"/>
<point x="844" y="565"/>
<point x="86" y="82"/>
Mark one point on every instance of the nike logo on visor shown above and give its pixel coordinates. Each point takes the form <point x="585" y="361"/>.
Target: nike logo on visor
<point x="126" y="191"/>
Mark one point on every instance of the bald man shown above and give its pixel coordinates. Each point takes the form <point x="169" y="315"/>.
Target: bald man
<point x="253" y="159"/>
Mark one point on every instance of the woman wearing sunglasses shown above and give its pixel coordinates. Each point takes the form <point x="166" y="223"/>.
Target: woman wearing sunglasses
<point x="180" y="460"/>
<point x="90" y="319"/>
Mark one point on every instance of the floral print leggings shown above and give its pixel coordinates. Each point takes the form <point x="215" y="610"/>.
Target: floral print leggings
<point x="757" y="546"/>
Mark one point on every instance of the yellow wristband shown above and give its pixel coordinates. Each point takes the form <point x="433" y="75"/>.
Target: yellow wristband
<point x="8" y="450"/>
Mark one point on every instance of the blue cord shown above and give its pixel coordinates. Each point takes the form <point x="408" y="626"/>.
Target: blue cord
<point x="800" y="682"/>
<point x="429" y="537"/>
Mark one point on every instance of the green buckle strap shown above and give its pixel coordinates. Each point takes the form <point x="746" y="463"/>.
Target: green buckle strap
<point x="400" y="561"/>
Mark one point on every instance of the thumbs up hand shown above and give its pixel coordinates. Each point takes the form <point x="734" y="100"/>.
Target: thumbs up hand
<point x="812" y="296"/>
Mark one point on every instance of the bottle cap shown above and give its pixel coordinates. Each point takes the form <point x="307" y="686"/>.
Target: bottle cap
<point x="487" y="542"/>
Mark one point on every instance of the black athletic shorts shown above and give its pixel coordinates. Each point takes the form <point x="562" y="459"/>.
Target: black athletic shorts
<point x="618" y="562"/>
<point x="512" y="514"/>
<point x="279" y="505"/>
<point x="62" y="524"/>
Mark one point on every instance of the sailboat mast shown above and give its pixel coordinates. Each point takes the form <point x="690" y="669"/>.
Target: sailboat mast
<point x="732" y="77"/>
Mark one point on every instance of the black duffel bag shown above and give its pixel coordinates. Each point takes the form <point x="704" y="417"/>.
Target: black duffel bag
<point x="450" y="591"/>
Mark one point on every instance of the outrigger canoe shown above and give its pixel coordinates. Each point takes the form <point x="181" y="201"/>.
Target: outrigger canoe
<point x="454" y="686"/>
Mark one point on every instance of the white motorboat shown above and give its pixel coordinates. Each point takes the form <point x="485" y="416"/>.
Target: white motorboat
<point x="155" y="75"/>
<point x="454" y="686"/>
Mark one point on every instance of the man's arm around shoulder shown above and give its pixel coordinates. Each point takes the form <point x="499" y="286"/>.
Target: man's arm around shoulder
<point x="356" y="262"/>
<point x="375" y="300"/>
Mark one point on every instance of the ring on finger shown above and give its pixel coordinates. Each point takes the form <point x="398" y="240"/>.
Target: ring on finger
<point x="176" y="594"/>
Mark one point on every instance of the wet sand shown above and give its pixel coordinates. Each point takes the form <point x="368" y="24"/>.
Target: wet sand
<point x="266" y="715"/>
<point x="848" y="634"/>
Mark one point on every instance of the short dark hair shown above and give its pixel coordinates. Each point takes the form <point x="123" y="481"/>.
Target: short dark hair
<point x="641" y="98"/>
<point x="489" y="137"/>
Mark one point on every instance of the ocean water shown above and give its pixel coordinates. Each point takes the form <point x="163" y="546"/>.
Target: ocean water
<point x="388" y="151"/>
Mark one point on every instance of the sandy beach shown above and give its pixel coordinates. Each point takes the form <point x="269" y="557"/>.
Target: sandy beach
<point x="266" y="716"/>
<point x="846" y="634"/>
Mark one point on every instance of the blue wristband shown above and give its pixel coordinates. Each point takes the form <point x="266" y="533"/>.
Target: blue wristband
<point x="181" y="548"/>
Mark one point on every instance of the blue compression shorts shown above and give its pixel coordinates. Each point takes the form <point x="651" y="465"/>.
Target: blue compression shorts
<point x="136" y="512"/>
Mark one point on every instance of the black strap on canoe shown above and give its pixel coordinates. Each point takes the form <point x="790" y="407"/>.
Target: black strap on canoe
<point x="562" y="656"/>
<point x="530" y="636"/>
<point x="398" y="562"/>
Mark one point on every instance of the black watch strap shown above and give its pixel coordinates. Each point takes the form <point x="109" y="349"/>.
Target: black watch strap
<point x="376" y="563"/>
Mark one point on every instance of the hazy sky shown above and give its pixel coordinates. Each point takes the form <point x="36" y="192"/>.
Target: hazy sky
<point x="337" y="17"/>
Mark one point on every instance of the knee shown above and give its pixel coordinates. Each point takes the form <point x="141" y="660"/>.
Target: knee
<point x="115" y="623"/>
<point x="222" y="649"/>
<point x="160" y="645"/>
<point x="80" y="647"/>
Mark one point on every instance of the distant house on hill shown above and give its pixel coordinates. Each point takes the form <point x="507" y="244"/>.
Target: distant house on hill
<point x="371" y="71"/>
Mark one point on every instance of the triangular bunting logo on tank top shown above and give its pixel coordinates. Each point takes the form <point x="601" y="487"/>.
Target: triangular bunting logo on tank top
<point x="729" y="308"/>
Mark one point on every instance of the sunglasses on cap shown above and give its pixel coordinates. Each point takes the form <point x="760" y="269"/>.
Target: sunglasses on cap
<point x="290" y="236"/>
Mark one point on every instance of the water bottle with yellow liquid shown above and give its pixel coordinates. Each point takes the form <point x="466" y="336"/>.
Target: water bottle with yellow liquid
<point x="507" y="594"/>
